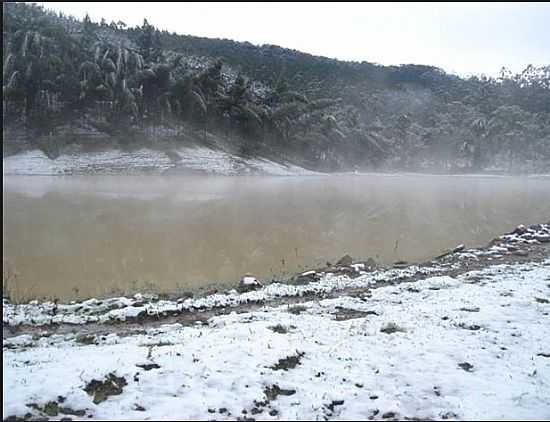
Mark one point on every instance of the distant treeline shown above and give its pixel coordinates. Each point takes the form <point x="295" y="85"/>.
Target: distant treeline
<point x="324" y="113"/>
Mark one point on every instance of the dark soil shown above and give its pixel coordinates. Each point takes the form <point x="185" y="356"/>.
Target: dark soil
<point x="102" y="390"/>
<point x="297" y="310"/>
<point x="148" y="366"/>
<point x="273" y="391"/>
<point x="86" y="339"/>
<point x="279" y="329"/>
<point x="471" y="327"/>
<point x="333" y="404"/>
<point x="53" y="408"/>
<point x="391" y="328"/>
<point x="290" y="362"/>
<point x="344" y="314"/>
<point x="466" y="366"/>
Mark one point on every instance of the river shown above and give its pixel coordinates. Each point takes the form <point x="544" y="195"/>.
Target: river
<point x="90" y="236"/>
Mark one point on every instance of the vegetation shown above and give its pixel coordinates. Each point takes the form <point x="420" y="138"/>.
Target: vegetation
<point x="134" y="83"/>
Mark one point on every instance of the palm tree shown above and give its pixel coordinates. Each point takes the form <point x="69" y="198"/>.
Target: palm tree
<point x="30" y="68"/>
<point x="479" y="127"/>
<point x="112" y="76"/>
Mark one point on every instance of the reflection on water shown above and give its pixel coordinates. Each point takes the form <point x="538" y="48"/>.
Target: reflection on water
<point x="71" y="237"/>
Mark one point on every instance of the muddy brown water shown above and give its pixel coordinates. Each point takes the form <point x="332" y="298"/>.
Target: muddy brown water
<point x="89" y="236"/>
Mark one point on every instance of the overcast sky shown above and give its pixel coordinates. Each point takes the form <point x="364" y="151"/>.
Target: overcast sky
<point x="463" y="38"/>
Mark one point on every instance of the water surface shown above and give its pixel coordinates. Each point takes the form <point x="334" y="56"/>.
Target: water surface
<point x="78" y="237"/>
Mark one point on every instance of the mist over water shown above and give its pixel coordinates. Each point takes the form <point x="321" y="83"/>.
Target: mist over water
<point x="79" y="237"/>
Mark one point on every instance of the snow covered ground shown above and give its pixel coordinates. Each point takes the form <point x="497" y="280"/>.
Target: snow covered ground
<point x="114" y="161"/>
<point x="473" y="346"/>
<point x="223" y="163"/>
<point x="123" y="308"/>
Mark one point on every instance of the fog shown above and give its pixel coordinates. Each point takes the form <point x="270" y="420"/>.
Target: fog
<point x="77" y="237"/>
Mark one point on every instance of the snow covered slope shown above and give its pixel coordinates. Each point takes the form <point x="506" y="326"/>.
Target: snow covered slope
<point x="203" y="159"/>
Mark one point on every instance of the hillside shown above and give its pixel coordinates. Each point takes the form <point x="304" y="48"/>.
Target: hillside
<point x="71" y="85"/>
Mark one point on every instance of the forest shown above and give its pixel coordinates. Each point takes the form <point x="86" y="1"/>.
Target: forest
<point x="65" y="78"/>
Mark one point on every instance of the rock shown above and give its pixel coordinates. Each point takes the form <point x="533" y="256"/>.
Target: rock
<point x="249" y="283"/>
<point x="370" y="262"/>
<point x="70" y="411"/>
<point x="333" y="404"/>
<point x="391" y="327"/>
<point x="273" y="391"/>
<point x="543" y="238"/>
<point x="368" y="265"/>
<point x="471" y="327"/>
<point x="459" y="248"/>
<point x="345" y="260"/>
<point x="472" y="309"/>
<point x="521" y="252"/>
<point x="290" y="362"/>
<point x="148" y="366"/>
<point x="466" y="366"/>
<point x="306" y="278"/>
<point x="358" y="266"/>
<point x="348" y="271"/>
<point x="521" y="229"/>
<point x="345" y="314"/>
<point x="184" y="296"/>
<point x="51" y="408"/>
<point x="85" y="339"/>
<point x="101" y="390"/>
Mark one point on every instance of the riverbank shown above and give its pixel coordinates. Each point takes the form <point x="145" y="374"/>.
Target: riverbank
<point x="469" y="347"/>
<point x="195" y="160"/>
<point x="198" y="159"/>
<point x="523" y="245"/>
<point x="467" y="334"/>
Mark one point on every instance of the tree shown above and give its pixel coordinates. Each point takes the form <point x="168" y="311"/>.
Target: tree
<point x="57" y="71"/>
<point x="30" y="68"/>
<point x="149" y="42"/>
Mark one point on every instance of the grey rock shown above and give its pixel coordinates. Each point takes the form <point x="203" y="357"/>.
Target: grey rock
<point x="345" y="260"/>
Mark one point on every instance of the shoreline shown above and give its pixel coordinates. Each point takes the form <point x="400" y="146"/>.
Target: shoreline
<point x="146" y="161"/>
<point x="119" y="314"/>
<point x="464" y="347"/>
<point x="202" y="160"/>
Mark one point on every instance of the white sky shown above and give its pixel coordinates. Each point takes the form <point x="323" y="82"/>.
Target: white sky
<point x="463" y="38"/>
